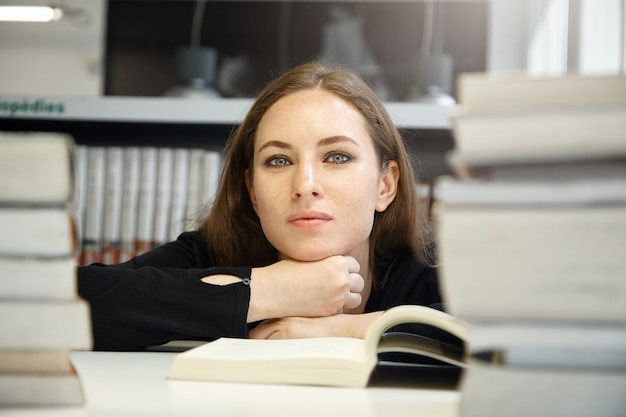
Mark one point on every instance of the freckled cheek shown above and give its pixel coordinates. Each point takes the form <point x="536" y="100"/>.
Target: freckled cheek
<point x="266" y="191"/>
<point x="267" y="205"/>
<point x="359" y="213"/>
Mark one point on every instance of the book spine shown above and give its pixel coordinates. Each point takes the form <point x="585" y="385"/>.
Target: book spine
<point x="194" y="184"/>
<point x="163" y="196"/>
<point x="179" y="192"/>
<point x="147" y="196"/>
<point x="113" y="205"/>
<point x="80" y="189"/>
<point x="130" y="202"/>
<point x="92" y="237"/>
<point x="212" y="167"/>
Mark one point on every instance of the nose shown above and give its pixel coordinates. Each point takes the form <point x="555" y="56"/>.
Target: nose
<point x="306" y="181"/>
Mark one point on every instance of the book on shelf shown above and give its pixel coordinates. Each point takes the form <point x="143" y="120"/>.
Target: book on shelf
<point x="195" y="183"/>
<point x="178" y="207"/>
<point x="163" y="196"/>
<point x="95" y="187"/>
<point x="112" y="214"/>
<point x="212" y="168"/>
<point x="147" y="198"/>
<point x="139" y="197"/>
<point x="80" y="189"/>
<point x="542" y="251"/>
<point x="491" y="93"/>
<point x="329" y="361"/>
<point x="36" y="168"/>
<point x="130" y="202"/>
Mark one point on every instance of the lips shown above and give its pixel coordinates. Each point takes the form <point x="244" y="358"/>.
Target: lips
<point x="308" y="218"/>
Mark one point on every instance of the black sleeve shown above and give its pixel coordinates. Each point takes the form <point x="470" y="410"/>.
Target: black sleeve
<point x="159" y="296"/>
<point x="405" y="281"/>
<point x="411" y="282"/>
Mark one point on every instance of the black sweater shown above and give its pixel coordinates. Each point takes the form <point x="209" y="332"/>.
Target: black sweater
<point x="159" y="296"/>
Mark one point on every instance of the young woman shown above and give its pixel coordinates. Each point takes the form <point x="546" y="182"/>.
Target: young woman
<point x="315" y="230"/>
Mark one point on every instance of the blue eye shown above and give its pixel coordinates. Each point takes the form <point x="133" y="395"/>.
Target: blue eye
<point x="277" y="161"/>
<point x="338" y="158"/>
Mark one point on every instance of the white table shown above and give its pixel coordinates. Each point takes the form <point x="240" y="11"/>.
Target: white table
<point x="132" y="384"/>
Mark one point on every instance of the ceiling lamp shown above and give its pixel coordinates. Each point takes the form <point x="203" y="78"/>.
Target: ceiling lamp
<point x="29" y="13"/>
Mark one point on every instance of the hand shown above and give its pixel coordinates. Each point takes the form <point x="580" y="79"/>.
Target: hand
<point x="341" y="325"/>
<point x="305" y="289"/>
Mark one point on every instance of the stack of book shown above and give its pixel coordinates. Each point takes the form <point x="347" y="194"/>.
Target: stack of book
<point x="532" y="239"/>
<point x="42" y="318"/>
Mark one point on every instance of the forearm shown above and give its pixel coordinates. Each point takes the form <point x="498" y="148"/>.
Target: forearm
<point x="340" y="325"/>
<point x="135" y="308"/>
<point x="304" y="289"/>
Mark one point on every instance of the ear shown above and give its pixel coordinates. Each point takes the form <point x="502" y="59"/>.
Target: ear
<point x="250" y="187"/>
<point x="388" y="186"/>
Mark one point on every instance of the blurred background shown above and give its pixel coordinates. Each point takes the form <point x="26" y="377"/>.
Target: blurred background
<point x="410" y="51"/>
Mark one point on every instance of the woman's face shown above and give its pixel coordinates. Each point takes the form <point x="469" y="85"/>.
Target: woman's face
<point x="317" y="180"/>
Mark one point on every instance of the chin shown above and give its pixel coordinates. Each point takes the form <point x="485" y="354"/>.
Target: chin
<point x="310" y="255"/>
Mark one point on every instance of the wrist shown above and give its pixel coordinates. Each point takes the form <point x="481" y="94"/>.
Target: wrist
<point x="361" y="323"/>
<point x="259" y="308"/>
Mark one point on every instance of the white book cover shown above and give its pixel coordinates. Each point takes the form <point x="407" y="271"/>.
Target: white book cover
<point x="195" y="183"/>
<point x="544" y="133"/>
<point x="527" y="192"/>
<point x="37" y="232"/>
<point x="130" y="198"/>
<point x="35" y="390"/>
<point x="163" y="198"/>
<point x="179" y="192"/>
<point x="94" y="205"/>
<point x="546" y="262"/>
<point x="212" y="168"/>
<point x="36" y="168"/>
<point x="35" y="278"/>
<point x="501" y="92"/>
<point x="113" y="204"/>
<point x="45" y="325"/>
<point x="80" y="188"/>
<point x="147" y="199"/>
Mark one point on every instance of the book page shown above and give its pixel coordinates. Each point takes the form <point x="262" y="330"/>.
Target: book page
<point x="414" y="315"/>
<point x="259" y="349"/>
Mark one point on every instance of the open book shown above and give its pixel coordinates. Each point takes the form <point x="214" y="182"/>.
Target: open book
<point x="330" y="361"/>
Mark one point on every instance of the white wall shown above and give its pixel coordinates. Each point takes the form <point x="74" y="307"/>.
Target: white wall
<point x="601" y="23"/>
<point x="557" y="36"/>
<point x="57" y="58"/>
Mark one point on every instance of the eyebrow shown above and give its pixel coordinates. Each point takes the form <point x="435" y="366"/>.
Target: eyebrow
<point x="323" y="142"/>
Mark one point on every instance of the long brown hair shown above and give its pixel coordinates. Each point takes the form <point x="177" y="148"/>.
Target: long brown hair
<point x="232" y="229"/>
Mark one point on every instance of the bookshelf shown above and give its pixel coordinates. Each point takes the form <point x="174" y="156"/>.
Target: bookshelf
<point x="165" y="110"/>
